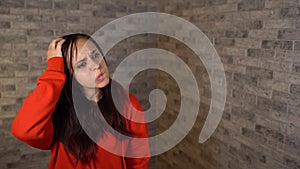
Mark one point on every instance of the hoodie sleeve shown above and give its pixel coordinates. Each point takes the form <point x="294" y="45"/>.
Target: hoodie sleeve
<point x="137" y="147"/>
<point x="33" y="123"/>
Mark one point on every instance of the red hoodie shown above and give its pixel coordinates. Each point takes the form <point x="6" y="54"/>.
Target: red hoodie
<point x="33" y="125"/>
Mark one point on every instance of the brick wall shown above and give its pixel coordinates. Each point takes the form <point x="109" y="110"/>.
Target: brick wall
<point x="26" y="28"/>
<point x="258" y="42"/>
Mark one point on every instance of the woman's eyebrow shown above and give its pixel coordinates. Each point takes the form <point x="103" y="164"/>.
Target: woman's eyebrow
<point x="84" y="59"/>
<point x="93" y="51"/>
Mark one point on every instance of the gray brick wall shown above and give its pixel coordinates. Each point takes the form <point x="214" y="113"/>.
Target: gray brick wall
<point x="258" y="42"/>
<point x="26" y="28"/>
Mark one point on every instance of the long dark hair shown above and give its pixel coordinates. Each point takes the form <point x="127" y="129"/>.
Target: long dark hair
<point x="67" y="127"/>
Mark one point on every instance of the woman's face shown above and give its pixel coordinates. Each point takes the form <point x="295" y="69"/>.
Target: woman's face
<point x="90" y="69"/>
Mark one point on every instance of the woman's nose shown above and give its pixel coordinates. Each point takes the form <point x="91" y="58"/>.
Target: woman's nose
<point x="94" y="66"/>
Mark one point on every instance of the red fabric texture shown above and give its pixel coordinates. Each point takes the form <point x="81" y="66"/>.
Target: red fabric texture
<point x="33" y="125"/>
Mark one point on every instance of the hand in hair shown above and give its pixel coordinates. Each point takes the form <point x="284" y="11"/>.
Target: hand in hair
<point x="54" y="49"/>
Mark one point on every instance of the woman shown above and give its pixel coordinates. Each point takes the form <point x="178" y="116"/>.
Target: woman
<point x="65" y="106"/>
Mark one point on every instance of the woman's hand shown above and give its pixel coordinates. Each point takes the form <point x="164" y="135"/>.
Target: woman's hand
<point x="54" y="49"/>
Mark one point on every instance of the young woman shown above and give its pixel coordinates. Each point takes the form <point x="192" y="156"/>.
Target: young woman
<point x="51" y="119"/>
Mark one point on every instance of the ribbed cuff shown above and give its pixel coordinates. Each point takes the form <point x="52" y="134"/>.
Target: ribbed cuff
<point x="56" y="64"/>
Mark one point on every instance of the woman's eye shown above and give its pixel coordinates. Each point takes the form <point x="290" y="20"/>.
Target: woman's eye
<point x="81" y="65"/>
<point x="95" y="55"/>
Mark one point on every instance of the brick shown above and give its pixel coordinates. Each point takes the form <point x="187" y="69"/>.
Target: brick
<point x="224" y="41"/>
<point x="53" y="12"/>
<point x="233" y="1"/>
<point x="290" y="99"/>
<point x="296" y="67"/>
<point x="7" y="101"/>
<point x="295" y="89"/>
<point x="267" y="93"/>
<point x="297" y="45"/>
<point x="4" y="25"/>
<point x="259" y="72"/>
<point x="246" y="61"/>
<point x="234" y="51"/>
<point x="255" y="24"/>
<point x="239" y="112"/>
<point x="293" y="112"/>
<point x="291" y="162"/>
<point x="275" y="85"/>
<point x="290" y="12"/>
<point x="279" y="108"/>
<point x="6" y="17"/>
<point x="274" y="44"/>
<point x="14" y="94"/>
<point x="23" y="11"/>
<point x="246" y="5"/>
<point x="297" y="23"/>
<point x="276" y="65"/>
<point x="6" y="74"/>
<point x="9" y="87"/>
<point x="212" y="17"/>
<point x="244" y="79"/>
<point x="66" y="5"/>
<point x="264" y="103"/>
<point x="289" y="34"/>
<point x="247" y="43"/>
<point x="226" y="59"/>
<point x="13" y="39"/>
<point x="263" y="34"/>
<point x="285" y="55"/>
<point x="55" y="26"/>
<point x="11" y="80"/>
<point x="28" y="73"/>
<point x="4" y="54"/>
<point x="39" y="32"/>
<point x="261" y="14"/>
<point x="287" y="77"/>
<point x="4" y="10"/>
<point x="9" y="108"/>
<point x="38" y="18"/>
<point x="238" y="16"/>
<point x="11" y="67"/>
<point x="269" y="133"/>
<point x="12" y="32"/>
<point x="65" y="19"/>
<point x="26" y="25"/>
<point x="280" y="3"/>
<point x="234" y="68"/>
<point x="38" y="39"/>
<point x="12" y="3"/>
<point x="109" y="9"/>
<point x="261" y="53"/>
<point x="134" y="9"/>
<point x="39" y="4"/>
<point x="79" y="13"/>
<point x="236" y="33"/>
<point x="215" y="2"/>
<point x="279" y="23"/>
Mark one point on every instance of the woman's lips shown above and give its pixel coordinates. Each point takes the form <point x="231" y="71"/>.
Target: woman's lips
<point x="100" y="77"/>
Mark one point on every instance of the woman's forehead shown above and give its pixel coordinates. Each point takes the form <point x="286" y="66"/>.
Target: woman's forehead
<point x="84" y="47"/>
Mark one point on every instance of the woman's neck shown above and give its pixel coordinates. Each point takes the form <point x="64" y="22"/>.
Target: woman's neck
<point x="93" y="94"/>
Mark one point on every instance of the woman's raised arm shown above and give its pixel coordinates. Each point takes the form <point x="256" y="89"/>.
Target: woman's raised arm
<point x="33" y="123"/>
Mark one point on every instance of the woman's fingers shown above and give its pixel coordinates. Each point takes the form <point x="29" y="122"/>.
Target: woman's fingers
<point x="59" y="42"/>
<point x="54" y="49"/>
